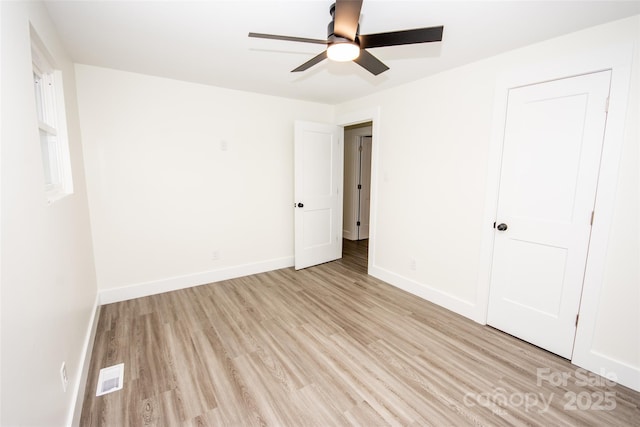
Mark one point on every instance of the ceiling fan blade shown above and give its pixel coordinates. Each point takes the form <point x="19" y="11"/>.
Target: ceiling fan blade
<point x="287" y="38"/>
<point x="370" y="63"/>
<point x="346" y="17"/>
<point x="395" y="38"/>
<point x="310" y="63"/>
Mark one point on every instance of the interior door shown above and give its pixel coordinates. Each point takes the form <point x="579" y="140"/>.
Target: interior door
<point x="550" y="162"/>
<point x="365" y="187"/>
<point x="318" y="170"/>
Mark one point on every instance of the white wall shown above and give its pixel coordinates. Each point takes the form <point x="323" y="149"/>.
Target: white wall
<point x="47" y="270"/>
<point x="618" y="317"/>
<point x="164" y="193"/>
<point x="431" y="154"/>
<point x="432" y="159"/>
<point x="621" y="291"/>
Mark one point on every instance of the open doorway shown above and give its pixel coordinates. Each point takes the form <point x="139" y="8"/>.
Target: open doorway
<point x="357" y="194"/>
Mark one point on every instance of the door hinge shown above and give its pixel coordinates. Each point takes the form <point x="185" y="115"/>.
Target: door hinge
<point x="358" y="223"/>
<point x="592" y="215"/>
<point x="577" y="317"/>
<point x="359" y="186"/>
<point x="606" y="105"/>
<point x="360" y="148"/>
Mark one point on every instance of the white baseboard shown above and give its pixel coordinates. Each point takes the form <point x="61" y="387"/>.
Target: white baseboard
<point x="346" y="234"/>
<point x="138" y="290"/>
<point x="601" y="364"/>
<point x="436" y="296"/>
<point x="80" y="383"/>
<point x="354" y="236"/>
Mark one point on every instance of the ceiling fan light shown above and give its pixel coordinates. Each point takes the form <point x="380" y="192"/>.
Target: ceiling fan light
<point x="343" y="52"/>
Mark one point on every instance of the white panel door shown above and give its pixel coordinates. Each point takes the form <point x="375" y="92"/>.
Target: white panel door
<point x="551" y="156"/>
<point x="318" y="158"/>
<point x="365" y="191"/>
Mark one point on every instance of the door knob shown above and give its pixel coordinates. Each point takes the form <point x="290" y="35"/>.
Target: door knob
<point x="300" y="205"/>
<point x="502" y="227"/>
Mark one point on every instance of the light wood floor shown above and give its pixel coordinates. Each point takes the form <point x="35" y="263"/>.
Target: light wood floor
<point x="329" y="346"/>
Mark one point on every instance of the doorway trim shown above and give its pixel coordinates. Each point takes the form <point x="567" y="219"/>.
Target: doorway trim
<point x="353" y="118"/>
<point x="618" y="59"/>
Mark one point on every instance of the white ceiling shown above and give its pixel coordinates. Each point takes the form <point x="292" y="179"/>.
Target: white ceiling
<point x="206" y="41"/>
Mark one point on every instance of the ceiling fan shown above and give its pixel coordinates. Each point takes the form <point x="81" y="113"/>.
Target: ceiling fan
<point x="345" y="43"/>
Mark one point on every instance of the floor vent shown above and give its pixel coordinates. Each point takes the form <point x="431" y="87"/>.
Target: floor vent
<point x="110" y="379"/>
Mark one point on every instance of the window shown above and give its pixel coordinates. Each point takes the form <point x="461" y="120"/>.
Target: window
<point x="52" y="123"/>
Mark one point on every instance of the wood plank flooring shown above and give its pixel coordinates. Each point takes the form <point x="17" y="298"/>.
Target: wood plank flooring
<point x="330" y="346"/>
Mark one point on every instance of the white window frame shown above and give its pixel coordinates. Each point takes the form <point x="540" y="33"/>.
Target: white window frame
<point x="52" y="123"/>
